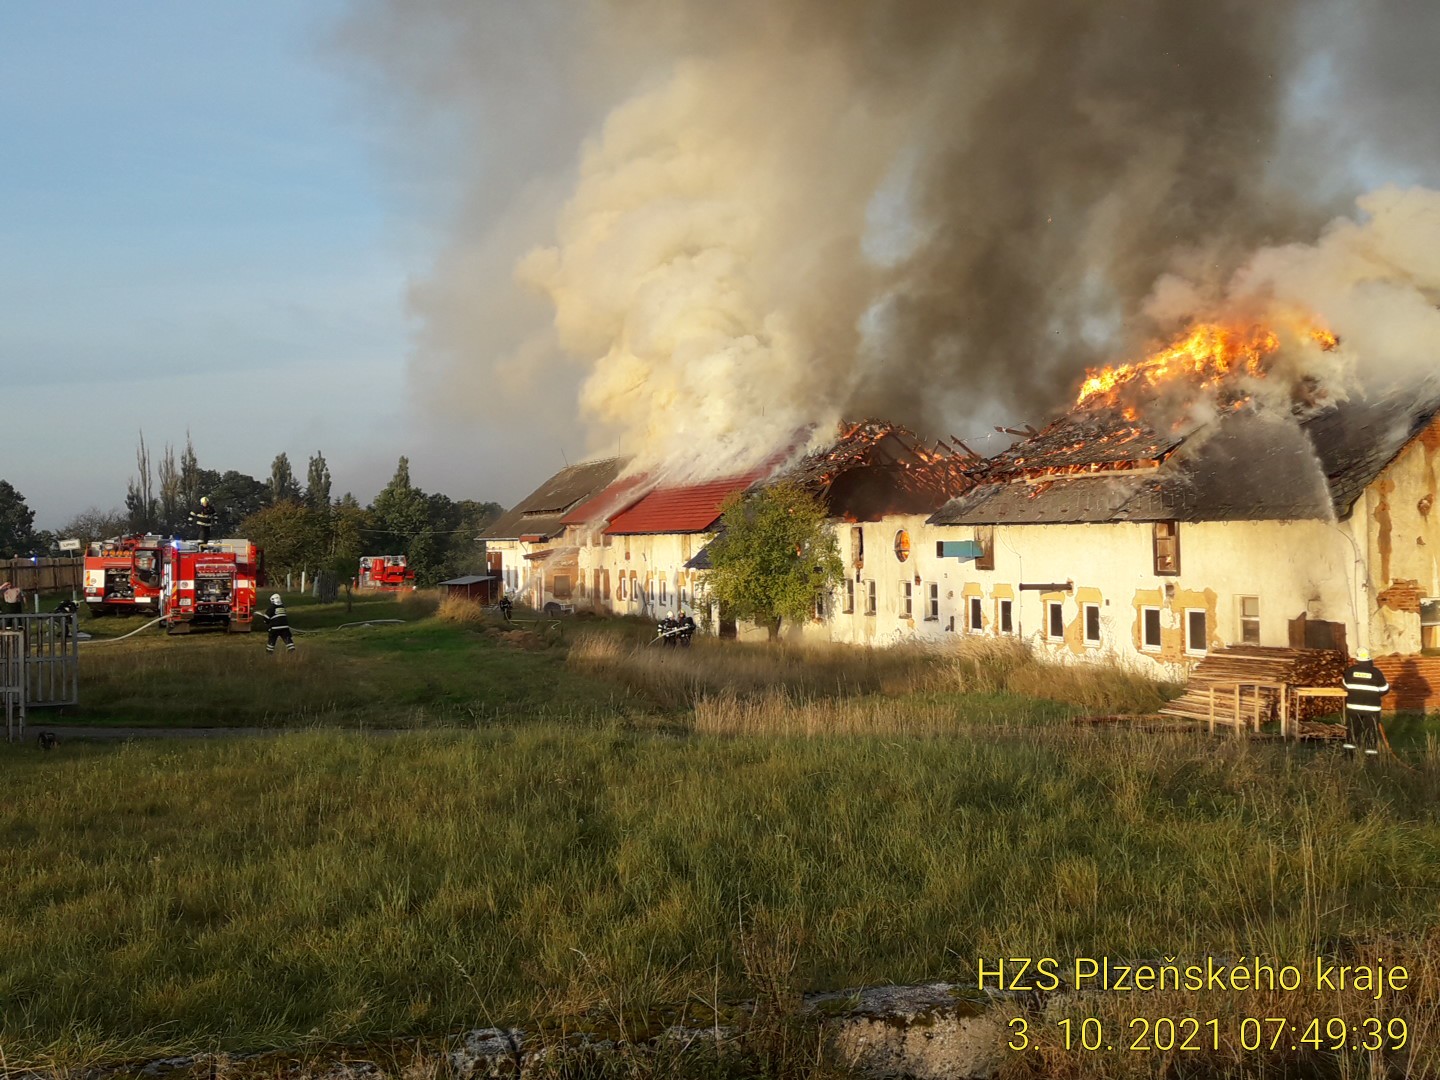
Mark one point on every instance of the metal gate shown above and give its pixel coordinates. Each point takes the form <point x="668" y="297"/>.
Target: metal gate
<point x="12" y="683"/>
<point x="50" y="651"/>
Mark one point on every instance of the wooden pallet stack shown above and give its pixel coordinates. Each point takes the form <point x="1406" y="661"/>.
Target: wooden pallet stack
<point x="1255" y="664"/>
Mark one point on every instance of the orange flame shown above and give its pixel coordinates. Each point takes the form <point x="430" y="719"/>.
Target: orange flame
<point x="1206" y="355"/>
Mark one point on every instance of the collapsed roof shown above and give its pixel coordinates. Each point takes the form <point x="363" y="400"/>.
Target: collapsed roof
<point x="1096" y="465"/>
<point x="874" y="468"/>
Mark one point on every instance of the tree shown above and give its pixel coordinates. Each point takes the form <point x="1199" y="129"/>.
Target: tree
<point x="774" y="557"/>
<point x="283" y="485"/>
<point x="234" y="496"/>
<point x="292" y="536"/>
<point x="317" y="484"/>
<point x="95" y="524"/>
<point x="171" y="514"/>
<point x="17" y="522"/>
<point x="140" y="504"/>
<point x="401" y="511"/>
<point x="192" y="479"/>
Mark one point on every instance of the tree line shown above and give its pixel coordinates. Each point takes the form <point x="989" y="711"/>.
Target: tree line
<point x="301" y="528"/>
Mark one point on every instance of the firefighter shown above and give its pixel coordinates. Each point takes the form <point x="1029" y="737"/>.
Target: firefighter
<point x="687" y="628"/>
<point x="1365" y="684"/>
<point x="13" y="598"/>
<point x="203" y="518"/>
<point x="506" y="607"/>
<point x="279" y="624"/>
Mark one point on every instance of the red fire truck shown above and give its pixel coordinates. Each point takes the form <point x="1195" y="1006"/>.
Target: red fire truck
<point x="384" y="572"/>
<point x="208" y="585"/>
<point x="122" y="575"/>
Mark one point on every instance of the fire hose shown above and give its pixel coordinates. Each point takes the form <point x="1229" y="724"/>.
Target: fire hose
<point x="111" y="641"/>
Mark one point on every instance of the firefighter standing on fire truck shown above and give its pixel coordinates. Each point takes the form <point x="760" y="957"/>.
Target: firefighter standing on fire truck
<point x="279" y="624"/>
<point x="203" y="518"/>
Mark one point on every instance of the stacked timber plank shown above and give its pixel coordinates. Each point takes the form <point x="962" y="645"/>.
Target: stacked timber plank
<point x="1223" y="668"/>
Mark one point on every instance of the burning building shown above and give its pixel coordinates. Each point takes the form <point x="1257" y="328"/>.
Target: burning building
<point x="1136" y="530"/>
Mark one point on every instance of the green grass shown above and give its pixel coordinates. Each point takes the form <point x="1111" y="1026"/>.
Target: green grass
<point x="251" y="894"/>
<point x="616" y="831"/>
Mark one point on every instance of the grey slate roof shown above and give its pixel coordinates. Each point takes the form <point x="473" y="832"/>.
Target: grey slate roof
<point x="1245" y="466"/>
<point x="539" y="513"/>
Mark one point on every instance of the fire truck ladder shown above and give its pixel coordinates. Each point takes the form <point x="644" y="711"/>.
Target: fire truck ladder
<point x="49" y="657"/>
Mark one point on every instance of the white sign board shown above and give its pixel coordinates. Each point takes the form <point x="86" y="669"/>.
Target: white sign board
<point x="69" y="545"/>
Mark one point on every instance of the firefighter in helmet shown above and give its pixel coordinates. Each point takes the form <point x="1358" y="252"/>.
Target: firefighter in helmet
<point x="203" y="519"/>
<point x="279" y="624"/>
<point x="1365" y="684"/>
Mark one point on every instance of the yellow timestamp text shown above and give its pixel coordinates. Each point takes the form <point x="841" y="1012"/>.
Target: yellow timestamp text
<point x="1251" y="1033"/>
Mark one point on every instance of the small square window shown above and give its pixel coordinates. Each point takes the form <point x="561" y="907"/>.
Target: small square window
<point x="1055" y="620"/>
<point x="1092" y="624"/>
<point x="1195" y="631"/>
<point x="1005" y="610"/>
<point x="1150" y="629"/>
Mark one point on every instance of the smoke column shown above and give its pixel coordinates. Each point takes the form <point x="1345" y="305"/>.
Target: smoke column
<point x="750" y="216"/>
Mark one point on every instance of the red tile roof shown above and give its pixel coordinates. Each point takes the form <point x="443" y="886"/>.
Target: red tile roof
<point x="608" y="502"/>
<point x="687" y="509"/>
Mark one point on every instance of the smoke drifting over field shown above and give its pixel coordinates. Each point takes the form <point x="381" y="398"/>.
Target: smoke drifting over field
<point x="755" y="215"/>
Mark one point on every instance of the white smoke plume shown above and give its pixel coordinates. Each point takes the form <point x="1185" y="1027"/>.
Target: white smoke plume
<point x="785" y="211"/>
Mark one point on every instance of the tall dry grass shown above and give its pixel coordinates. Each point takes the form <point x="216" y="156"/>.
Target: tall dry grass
<point x="749" y="687"/>
<point x="458" y="611"/>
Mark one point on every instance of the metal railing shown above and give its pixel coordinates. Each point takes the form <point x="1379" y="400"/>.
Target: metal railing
<point x="49" y="651"/>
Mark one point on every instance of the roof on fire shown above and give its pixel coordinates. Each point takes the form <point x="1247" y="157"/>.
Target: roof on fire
<point x="1245" y="466"/>
<point x="541" y="513"/>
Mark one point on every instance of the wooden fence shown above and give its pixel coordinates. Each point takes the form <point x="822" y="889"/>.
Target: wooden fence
<point x="43" y="575"/>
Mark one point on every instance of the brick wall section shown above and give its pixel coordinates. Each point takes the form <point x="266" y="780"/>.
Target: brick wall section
<point x="1414" y="682"/>
<point x="1401" y="596"/>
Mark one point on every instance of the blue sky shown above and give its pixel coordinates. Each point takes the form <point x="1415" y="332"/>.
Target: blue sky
<point x="195" y="233"/>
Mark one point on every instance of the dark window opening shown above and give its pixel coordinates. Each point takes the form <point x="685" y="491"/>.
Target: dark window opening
<point x="976" y="624"/>
<point x="1150" y="628"/>
<point x="985" y="537"/>
<point x="1092" y="624"/>
<point x="1056" y="612"/>
<point x="1195" y="631"/>
<point x="1167" y="547"/>
<point x="1005" y="609"/>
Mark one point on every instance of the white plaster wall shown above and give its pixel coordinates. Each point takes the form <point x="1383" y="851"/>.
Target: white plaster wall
<point x="661" y="582"/>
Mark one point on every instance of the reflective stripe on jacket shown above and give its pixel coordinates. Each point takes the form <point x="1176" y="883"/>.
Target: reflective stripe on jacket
<point x="278" y="619"/>
<point x="1365" y="685"/>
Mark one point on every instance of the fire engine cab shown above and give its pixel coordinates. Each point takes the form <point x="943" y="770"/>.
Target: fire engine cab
<point x="385" y="572"/>
<point x="122" y="575"/>
<point x="208" y="585"/>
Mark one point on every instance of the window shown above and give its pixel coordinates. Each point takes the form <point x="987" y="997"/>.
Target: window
<point x="985" y="537"/>
<point x="1249" y="620"/>
<point x="1150" y="629"/>
<point x="902" y="545"/>
<point x="870" y="597"/>
<point x="932" y="605"/>
<point x="1006" y="609"/>
<point x="580" y="584"/>
<point x="636" y="596"/>
<point x="849" y="597"/>
<point x="820" y="606"/>
<point x="560" y="586"/>
<point x="622" y="587"/>
<point x="1055" y="620"/>
<point x="975" y="623"/>
<point x="1430" y="622"/>
<point x="906" y="599"/>
<point x="1092" y="624"/>
<point x="664" y="591"/>
<point x="1195" y="631"/>
<point x="1167" y="547"/>
<point x="857" y="546"/>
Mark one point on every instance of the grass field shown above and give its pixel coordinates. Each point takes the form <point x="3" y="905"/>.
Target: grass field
<point x="617" y="828"/>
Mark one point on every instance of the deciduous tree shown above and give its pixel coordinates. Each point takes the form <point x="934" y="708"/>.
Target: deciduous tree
<point x="774" y="557"/>
<point x="17" y="522"/>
